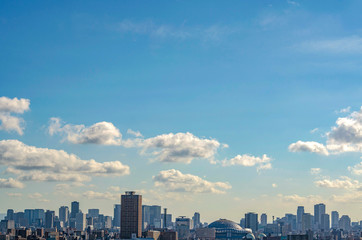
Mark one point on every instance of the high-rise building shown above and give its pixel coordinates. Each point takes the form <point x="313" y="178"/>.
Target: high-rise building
<point x="345" y="223"/>
<point x="242" y="222"/>
<point x="131" y="215"/>
<point x="107" y="222"/>
<point x="94" y="213"/>
<point x="29" y="216"/>
<point x="74" y="209"/>
<point x="117" y="215"/>
<point x="335" y="219"/>
<point x="292" y="221"/>
<point x="300" y="212"/>
<point x="49" y="219"/>
<point x="64" y="215"/>
<point x="263" y="219"/>
<point x="325" y="222"/>
<point x="196" y="220"/>
<point x="319" y="209"/>
<point x="10" y="214"/>
<point x="39" y="217"/>
<point x="183" y="225"/>
<point x="151" y="217"/>
<point x="168" y="222"/>
<point x="307" y="222"/>
<point x="251" y="221"/>
<point x="80" y="221"/>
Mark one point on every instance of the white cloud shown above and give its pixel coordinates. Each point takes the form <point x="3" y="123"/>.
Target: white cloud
<point x="344" y="110"/>
<point x="15" y="195"/>
<point x="35" y="195"/>
<point x="347" y="45"/>
<point x="314" y="130"/>
<point x="247" y="160"/>
<point x="8" y="107"/>
<point x="346" y="136"/>
<point x="104" y="133"/>
<point x="114" y="189"/>
<point x="315" y="147"/>
<point x="101" y="195"/>
<point x="349" y="198"/>
<point x="10" y="183"/>
<point x="300" y="199"/>
<point x="356" y="169"/>
<point x="134" y="133"/>
<point x="43" y="164"/>
<point x="175" y="181"/>
<point x="344" y="183"/>
<point x="274" y="185"/>
<point x="180" y="147"/>
<point x="315" y="171"/>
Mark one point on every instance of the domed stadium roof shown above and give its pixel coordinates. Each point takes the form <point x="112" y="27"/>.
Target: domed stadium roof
<point x="225" y="224"/>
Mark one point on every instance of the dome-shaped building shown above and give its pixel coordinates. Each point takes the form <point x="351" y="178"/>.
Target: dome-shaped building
<point x="229" y="230"/>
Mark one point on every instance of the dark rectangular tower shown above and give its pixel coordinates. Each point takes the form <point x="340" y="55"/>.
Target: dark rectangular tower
<point x="131" y="215"/>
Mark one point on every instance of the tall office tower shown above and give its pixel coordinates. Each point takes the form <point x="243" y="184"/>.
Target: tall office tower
<point x="251" y="221"/>
<point x="49" y="219"/>
<point x="319" y="209"/>
<point x="131" y="215"/>
<point x="242" y="222"/>
<point x="168" y="220"/>
<point x="300" y="212"/>
<point x="39" y="217"/>
<point x="10" y="214"/>
<point x="117" y="215"/>
<point x="325" y="222"/>
<point x="345" y="223"/>
<point x="263" y="219"/>
<point x="74" y="209"/>
<point x="335" y="219"/>
<point x="307" y="222"/>
<point x="80" y="221"/>
<point x="64" y="215"/>
<point x="94" y="213"/>
<point x="183" y="226"/>
<point x="151" y="217"/>
<point x="196" y="220"/>
<point x="29" y="216"/>
<point x="292" y="221"/>
<point x="107" y="222"/>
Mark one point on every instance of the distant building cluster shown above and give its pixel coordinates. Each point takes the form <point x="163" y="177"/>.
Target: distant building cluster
<point x="132" y="220"/>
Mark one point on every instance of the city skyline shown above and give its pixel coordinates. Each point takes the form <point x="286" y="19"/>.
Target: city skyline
<point x="216" y="108"/>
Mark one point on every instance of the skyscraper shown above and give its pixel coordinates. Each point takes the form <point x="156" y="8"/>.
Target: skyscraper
<point x="49" y="219"/>
<point x="263" y="219"/>
<point x="307" y="222"/>
<point x="335" y="219"/>
<point x="300" y="212"/>
<point x="345" y="222"/>
<point x="151" y="217"/>
<point x="74" y="209"/>
<point x="196" y="220"/>
<point x="131" y="215"/>
<point x="94" y="213"/>
<point x="251" y="221"/>
<point x="183" y="225"/>
<point x="10" y="214"/>
<point x="117" y="215"/>
<point x="80" y="221"/>
<point x="319" y="209"/>
<point x="64" y="215"/>
<point x="325" y="222"/>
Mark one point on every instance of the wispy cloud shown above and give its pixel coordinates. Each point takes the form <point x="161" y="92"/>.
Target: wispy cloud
<point x="346" y="45"/>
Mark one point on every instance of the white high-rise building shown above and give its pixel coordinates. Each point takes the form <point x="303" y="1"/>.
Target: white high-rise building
<point x="319" y="210"/>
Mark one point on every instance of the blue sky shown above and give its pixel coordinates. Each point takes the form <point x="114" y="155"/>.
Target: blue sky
<point x="202" y="83"/>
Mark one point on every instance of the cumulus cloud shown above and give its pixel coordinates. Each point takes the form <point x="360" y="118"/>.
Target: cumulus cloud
<point x="249" y="161"/>
<point x="175" y="181"/>
<point x="42" y="164"/>
<point x="346" y="136"/>
<point x="315" y="147"/>
<point x="343" y="183"/>
<point x="15" y="195"/>
<point x="300" y="199"/>
<point x="101" y="195"/>
<point x="134" y="133"/>
<point x="356" y="169"/>
<point x="8" y="107"/>
<point x="274" y="185"/>
<point x="349" y="198"/>
<point x="180" y="147"/>
<point x="344" y="110"/>
<point x="10" y="183"/>
<point x="104" y="133"/>
<point x="315" y="171"/>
